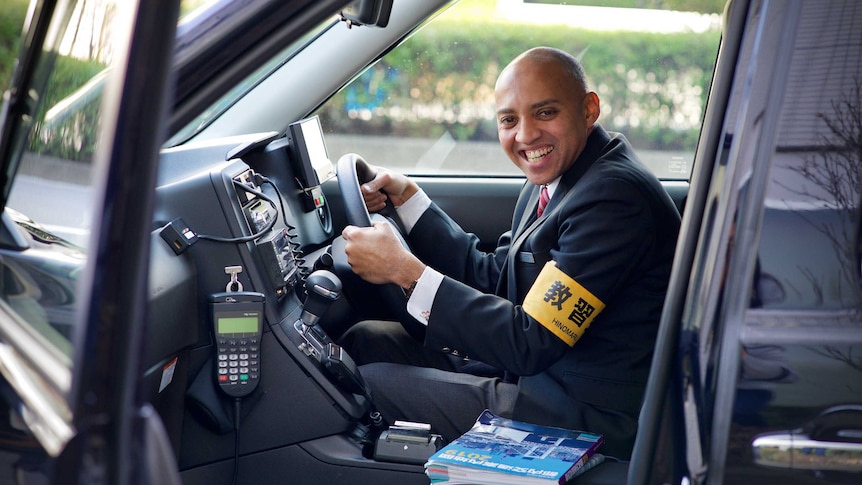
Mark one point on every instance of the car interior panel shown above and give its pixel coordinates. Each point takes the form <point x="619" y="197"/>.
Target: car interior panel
<point x="204" y="184"/>
<point x="294" y="384"/>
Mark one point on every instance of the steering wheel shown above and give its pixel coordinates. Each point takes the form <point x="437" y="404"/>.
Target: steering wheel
<point x="352" y="171"/>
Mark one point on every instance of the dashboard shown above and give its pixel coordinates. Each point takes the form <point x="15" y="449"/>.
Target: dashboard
<point x="247" y="214"/>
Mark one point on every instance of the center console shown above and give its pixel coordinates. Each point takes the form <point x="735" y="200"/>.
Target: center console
<point x="247" y="215"/>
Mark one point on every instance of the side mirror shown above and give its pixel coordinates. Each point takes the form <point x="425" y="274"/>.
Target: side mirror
<point x="373" y="13"/>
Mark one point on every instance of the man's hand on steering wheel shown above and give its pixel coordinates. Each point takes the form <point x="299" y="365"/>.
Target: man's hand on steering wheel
<point x="387" y="184"/>
<point x="377" y="255"/>
<point x="373" y="251"/>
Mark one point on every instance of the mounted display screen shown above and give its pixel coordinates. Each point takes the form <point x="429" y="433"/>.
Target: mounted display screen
<point x="308" y="150"/>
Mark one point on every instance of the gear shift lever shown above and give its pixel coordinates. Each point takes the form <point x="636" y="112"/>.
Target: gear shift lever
<point x="323" y="288"/>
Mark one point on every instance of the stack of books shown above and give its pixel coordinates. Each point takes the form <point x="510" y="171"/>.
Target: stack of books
<point x="499" y="450"/>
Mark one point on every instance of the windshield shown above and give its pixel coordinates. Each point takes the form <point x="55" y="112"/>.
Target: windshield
<point x="421" y="99"/>
<point x="249" y="83"/>
<point x="427" y="107"/>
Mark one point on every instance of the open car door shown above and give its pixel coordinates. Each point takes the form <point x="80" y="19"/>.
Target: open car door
<point x="72" y="313"/>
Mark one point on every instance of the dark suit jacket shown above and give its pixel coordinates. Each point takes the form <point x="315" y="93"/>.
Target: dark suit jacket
<point x="612" y="228"/>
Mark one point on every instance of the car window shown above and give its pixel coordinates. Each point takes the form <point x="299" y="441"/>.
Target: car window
<point x="427" y="107"/>
<point x="12" y="14"/>
<point x="809" y="253"/>
<point x="51" y="197"/>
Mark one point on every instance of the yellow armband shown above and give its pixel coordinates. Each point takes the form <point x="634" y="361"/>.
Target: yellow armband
<point x="561" y="304"/>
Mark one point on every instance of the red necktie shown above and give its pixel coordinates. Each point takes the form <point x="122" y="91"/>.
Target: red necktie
<point x="544" y="197"/>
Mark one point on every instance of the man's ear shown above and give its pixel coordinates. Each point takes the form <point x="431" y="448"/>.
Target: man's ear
<point x="592" y="107"/>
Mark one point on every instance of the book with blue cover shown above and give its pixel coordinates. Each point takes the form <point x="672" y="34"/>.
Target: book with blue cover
<point x="500" y="450"/>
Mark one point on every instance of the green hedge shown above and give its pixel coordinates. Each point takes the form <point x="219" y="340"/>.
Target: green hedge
<point x="73" y="138"/>
<point x="652" y="86"/>
<point x="12" y="13"/>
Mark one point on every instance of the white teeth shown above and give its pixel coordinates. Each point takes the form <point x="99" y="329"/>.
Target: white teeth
<point x="534" y="154"/>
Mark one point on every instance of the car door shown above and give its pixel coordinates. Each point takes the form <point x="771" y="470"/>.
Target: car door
<point x="787" y="380"/>
<point x="73" y="306"/>
<point x="756" y="376"/>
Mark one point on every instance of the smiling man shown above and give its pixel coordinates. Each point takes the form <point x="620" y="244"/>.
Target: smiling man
<point x="560" y="321"/>
<point x="544" y="114"/>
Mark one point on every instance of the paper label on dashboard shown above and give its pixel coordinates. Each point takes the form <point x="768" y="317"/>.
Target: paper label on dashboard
<point x="168" y="374"/>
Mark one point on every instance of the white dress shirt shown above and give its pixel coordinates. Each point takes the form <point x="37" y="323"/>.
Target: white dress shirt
<point x="420" y="302"/>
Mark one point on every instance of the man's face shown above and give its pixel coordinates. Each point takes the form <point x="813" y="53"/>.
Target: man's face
<point x="543" y="118"/>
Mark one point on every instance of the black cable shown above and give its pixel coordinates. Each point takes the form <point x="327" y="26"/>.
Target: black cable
<point x="260" y="180"/>
<point x="237" y="406"/>
<point x="295" y="250"/>
<point x="256" y="235"/>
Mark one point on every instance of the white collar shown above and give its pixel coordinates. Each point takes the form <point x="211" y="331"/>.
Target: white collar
<point x="552" y="187"/>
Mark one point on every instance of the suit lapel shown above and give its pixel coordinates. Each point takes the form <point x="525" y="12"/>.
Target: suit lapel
<point x="525" y="227"/>
<point x="528" y="225"/>
<point x="527" y="201"/>
<point x="529" y="214"/>
<point x="525" y="222"/>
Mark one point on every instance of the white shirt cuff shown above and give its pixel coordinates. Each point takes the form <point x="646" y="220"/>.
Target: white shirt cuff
<point x="420" y="302"/>
<point x="412" y="209"/>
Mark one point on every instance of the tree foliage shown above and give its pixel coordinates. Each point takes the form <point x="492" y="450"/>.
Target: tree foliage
<point x="12" y="13"/>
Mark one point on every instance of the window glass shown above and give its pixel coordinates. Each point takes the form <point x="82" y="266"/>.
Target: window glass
<point x="12" y="13"/>
<point x="809" y="248"/>
<point x="208" y="116"/>
<point x="427" y="107"/>
<point x="51" y="197"/>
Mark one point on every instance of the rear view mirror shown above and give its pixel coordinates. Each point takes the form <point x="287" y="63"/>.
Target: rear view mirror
<point x="367" y="12"/>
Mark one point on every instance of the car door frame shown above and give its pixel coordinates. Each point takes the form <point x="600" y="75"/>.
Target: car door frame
<point x="659" y="453"/>
<point x="112" y="436"/>
<point x="685" y="417"/>
<point x="108" y="412"/>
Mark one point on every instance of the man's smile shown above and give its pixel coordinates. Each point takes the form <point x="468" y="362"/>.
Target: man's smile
<point x="536" y="155"/>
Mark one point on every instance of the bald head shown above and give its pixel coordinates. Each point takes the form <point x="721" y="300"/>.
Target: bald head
<point x="548" y="57"/>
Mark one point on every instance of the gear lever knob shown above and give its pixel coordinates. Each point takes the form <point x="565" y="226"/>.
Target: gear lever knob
<point x="323" y="288"/>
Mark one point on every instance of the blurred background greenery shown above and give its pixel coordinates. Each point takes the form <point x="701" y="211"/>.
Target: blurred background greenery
<point x="12" y="14"/>
<point x="652" y="85"/>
